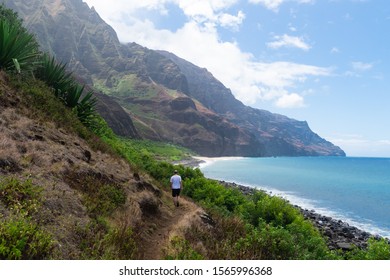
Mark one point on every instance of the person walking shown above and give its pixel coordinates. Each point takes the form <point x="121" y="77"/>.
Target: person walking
<point x="176" y="186"/>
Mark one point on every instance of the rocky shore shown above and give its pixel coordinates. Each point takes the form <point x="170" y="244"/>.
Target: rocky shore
<point x="340" y="235"/>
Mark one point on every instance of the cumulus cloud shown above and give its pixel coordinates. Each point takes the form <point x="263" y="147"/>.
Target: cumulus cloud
<point x="292" y="100"/>
<point x="231" y="21"/>
<point x="288" y="41"/>
<point x="198" y="41"/>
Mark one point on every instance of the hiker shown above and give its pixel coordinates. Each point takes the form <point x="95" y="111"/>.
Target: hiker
<point x="176" y="186"/>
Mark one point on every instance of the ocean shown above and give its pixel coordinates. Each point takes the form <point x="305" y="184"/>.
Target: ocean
<point x="352" y="189"/>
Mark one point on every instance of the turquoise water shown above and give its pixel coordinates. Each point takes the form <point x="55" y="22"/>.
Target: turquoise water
<point x="355" y="190"/>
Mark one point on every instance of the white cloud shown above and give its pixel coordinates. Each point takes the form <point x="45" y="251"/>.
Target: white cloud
<point x="208" y="12"/>
<point x="230" y="21"/>
<point x="358" y="68"/>
<point x="288" y="41"/>
<point x="292" y="28"/>
<point x="205" y="8"/>
<point x="249" y="79"/>
<point x="334" y="50"/>
<point x="275" y="4"/>
<point x="292" y="100"/>
<point x="114" y="10"/>
<point x="269" y="4"/>
<point x="361" y="66"/>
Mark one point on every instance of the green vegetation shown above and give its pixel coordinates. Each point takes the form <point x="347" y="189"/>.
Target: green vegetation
<point x="126" y="86"/>
<point x="257" y="226"/>
<point x="253" y="227"/>
<point x="267" y="228"/>
<point x="140" y="153"/>
<point x="101" y="239"/>
<point x="181" y="250"/>
<point x="18" y="48"/>
<point x="158" y="150"/>
<point x="376" y="250"/>
<point x="244" y="227"/>
<point x="21" y="197"/>
<point x="19" y="51"/>
<point x="65" y="88"/>
<point x="100" y="195"/>
<point x="21" y="237"/>
<point x="247" y="227"/>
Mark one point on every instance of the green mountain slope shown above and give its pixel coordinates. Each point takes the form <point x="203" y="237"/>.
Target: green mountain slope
<point x="167" y="98"/>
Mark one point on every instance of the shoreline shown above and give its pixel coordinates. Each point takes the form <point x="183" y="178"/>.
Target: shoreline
<point x="339" y="234"/>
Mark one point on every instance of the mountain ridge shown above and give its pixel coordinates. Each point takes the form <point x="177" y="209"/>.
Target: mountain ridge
<point x="146" y="83"/>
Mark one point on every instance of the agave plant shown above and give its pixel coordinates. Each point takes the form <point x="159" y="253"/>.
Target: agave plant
<point x="71" y="93"/>
<point x="54" y="74"/>
<point x="18" y="48"/>
<point x="85" y="109"/>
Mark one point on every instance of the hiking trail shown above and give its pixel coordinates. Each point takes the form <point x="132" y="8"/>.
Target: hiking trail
<point x="171" y="222"/>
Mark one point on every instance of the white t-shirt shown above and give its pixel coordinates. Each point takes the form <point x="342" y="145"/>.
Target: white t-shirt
<point x="176" y="180"/>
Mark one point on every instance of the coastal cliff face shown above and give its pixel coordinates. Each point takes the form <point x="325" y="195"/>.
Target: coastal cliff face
<point x="278" y="135"/>
<point x="165" y="97"/>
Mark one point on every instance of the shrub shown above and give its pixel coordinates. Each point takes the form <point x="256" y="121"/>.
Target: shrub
<point x="99" y="194"/>
<point x="275" y="210"/>
<point x="20" y="238"/>
<point x="180" y="249"/>
<point x="100" y="240"/>
<point x="20" y="197"/>
<point x="121" y="242"/>
<point x="377" y="249"/>
<point x="105" y="200"/>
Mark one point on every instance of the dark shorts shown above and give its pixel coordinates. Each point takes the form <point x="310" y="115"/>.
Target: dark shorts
<point x="175" y="192"/>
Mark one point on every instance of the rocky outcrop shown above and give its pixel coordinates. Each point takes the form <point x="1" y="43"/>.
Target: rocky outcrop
<point x="182" y="103"/>
<point x="116" y="117"/>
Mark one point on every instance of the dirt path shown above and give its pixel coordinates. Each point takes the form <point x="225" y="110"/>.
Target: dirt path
<point x="170" y="223"/>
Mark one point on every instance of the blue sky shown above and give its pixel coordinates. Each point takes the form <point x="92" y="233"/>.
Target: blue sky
<point x="323" y="61"/>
